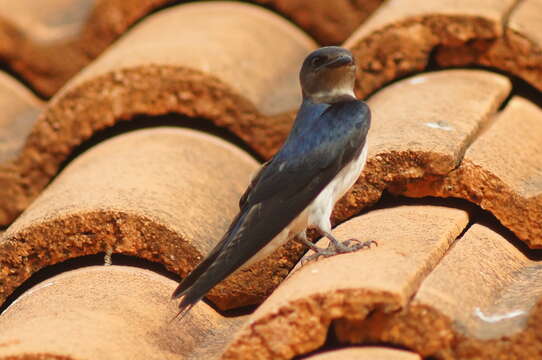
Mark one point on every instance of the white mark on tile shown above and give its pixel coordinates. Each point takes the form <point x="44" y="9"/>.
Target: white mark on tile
<point x="497" y="317"/>
<point x="417" y="80"/>
<point x="314" y="271"/>
<point x="439" y="125"/>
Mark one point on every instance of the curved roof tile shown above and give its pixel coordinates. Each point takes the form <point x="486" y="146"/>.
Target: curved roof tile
<point x="154" y="71"/>
<point x="295" y="319"/>
<point x="483" y="300"/>
<point x="163" y="194"/>
<point x="501" y="171"/>
<point x="402" y="37"/>
<point x="109" y="312"/>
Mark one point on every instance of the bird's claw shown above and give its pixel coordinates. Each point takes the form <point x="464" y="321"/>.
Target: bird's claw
<point x="339" y="248"/>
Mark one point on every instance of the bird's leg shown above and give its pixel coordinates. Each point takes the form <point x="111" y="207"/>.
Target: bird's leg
<point x="302" y="238"/>
<point x="344" y="247"/>
<point x="335" y="246"/>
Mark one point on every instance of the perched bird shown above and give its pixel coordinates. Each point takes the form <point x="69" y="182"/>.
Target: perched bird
<point x="321" y="159"/>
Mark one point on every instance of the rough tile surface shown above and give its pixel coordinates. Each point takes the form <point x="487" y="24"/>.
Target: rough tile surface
<point x="162" y="194"/>
<point x="109" y="312"/>
<point x="329" y="22"/>
<point x="421" y="127"/>
<point x="482" y="301"/>
<point x="153" y="71"/>
<point x="501" y="171"/>
<point x="47" y="45"/>
<point x="296" y="317"/>
<point x="403" y="36"/>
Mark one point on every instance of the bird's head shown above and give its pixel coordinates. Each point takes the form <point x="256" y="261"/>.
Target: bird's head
<point x="328" y="75"/>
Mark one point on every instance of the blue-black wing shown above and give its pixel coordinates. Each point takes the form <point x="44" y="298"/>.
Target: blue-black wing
<point x="312" y="156"/>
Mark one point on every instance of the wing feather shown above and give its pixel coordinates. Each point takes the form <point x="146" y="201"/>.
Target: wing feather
<point x="281" y="190"/>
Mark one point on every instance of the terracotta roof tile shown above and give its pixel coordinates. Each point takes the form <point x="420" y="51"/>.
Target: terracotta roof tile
<point x="328" y="22"/>
<point x="124" y="194"/>
<point x="501" y="171"/>
<point x="20" y="110"/>
<point x="366" y="353"/>
<point x="482" y="301"/>
<point x="49" y="44"/>
<point x="109" y="312"/>
<point x="402" y="36"/>
<point x="154" y="71"/>
<point x="296" y="317"/>
<point x="446" y="281"/>
<point x="421" y="128"/>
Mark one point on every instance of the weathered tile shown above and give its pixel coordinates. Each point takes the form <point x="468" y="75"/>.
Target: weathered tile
<point x="20" y="109"/>
<point x="163" y="194"/>
<point x="421" y="127"/>
<point x="295" y="318"/>
<point x="109" y="312"/>
<point x="152" y="70"/>
<point x="518" y="50"/>
<point x="403" y="36"/>
<point x="366" y="353"/>
<point x="329" y="22"/>
<point x="482" y="301"/>
<point x="501" y="171"/>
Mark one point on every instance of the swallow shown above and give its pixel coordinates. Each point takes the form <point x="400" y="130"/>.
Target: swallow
<point x="320" y="160"/>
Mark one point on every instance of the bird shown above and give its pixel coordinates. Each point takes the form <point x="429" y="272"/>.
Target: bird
<point x="322" y="157"/>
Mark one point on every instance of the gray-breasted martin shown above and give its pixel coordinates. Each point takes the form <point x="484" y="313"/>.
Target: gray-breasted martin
<point x="321" y="159"/>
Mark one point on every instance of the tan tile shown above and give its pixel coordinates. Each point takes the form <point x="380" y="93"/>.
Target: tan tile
<point x="482" y="301"/>
<point x="163" y="194"/>
<point x="59" y="20"/>
<point x="421" y="127"/>
<point x="501" y="171"/>
<point x="296" y="317"/>
<point x="329" y="22"/>
<point x="152" y="70"/>
<point x="518" y="50"/>
<point x="109" y="312"/>
<point x="49" y="44"/>
<point x="20" y="109"/>
<point x="402" y="36"/>
<point x="366" y="353"/>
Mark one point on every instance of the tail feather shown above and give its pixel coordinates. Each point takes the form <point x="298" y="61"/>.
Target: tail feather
<point x="183" y="310"/>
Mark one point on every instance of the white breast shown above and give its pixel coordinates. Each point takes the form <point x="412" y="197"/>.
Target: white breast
<point x="319" y="211"/>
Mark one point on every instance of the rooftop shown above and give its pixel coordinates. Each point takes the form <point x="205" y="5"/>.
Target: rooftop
<point x="132" y="129"/>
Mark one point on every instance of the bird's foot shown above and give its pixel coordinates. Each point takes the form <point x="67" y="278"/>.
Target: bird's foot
<point x="337" y="247"/>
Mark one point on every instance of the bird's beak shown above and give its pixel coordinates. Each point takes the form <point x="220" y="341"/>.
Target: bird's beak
<point x="339" y="61"/>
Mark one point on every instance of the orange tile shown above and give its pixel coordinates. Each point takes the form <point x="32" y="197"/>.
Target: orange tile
<point x="501" y="171"/>
<point x="47" y="45"/>
<point x="421" y="127"/>
<point x="403" y="36"/>
<point x="109" y="312"/>
<point x="163" y="194"/>
<point x="296" y="317"/>
<point x="330" y="23"/>
<point x="152" y="70"/>
<point x="482" y="301"/>
<point x="20" y="109"/>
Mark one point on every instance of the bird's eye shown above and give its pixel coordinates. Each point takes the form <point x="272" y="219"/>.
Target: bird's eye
<point x="317" y="61"/>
